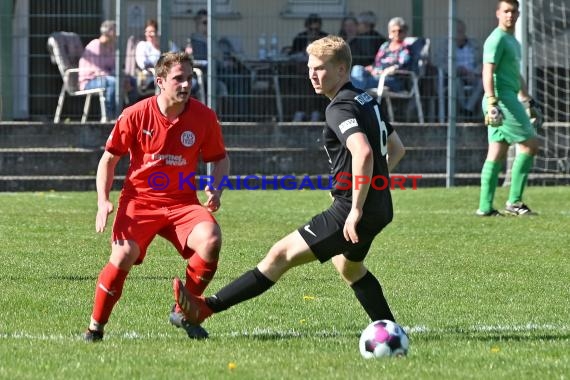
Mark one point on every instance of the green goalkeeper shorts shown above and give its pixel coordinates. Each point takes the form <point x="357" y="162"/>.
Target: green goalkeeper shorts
<point x="516" y="125"/>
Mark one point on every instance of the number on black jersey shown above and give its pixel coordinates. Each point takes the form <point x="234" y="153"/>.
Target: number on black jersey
<point x="383" y="131"/>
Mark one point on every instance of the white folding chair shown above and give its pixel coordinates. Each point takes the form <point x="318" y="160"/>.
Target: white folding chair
<point x="65" y="49"/>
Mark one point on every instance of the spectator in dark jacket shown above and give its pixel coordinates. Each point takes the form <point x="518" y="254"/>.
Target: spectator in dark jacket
<point x="367" y="41"/>
<point x="313" y="31"/>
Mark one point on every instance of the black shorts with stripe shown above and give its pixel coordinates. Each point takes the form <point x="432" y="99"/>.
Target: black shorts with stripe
<point x="323" y="233"/>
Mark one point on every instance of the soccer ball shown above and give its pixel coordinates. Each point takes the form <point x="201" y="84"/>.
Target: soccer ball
<point x="383" y="338"/>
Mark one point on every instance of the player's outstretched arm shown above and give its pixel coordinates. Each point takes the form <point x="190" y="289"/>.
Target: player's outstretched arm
<point x="221" y="169"/>
<point x="105" y="176"/>
<point x="396" y="150"/>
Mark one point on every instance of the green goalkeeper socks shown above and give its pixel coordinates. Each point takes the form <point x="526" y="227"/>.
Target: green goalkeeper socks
<point x="489" y="179"/>
<point x="521" y="168"/>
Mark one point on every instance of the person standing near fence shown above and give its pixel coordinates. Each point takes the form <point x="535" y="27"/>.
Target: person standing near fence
<point x="508" y="110"/>
<point x="165" y="136"/>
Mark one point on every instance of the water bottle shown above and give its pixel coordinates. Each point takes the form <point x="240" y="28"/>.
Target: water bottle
<point x="262" y="53"/>
<point x="273" y="46"/>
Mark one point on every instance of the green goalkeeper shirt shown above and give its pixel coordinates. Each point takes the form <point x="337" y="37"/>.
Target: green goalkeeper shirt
<point x="503" y="50"/>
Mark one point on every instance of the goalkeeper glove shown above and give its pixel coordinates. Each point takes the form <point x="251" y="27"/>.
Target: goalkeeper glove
<point x="533" y="111"/>
<point x="494" y="115"/>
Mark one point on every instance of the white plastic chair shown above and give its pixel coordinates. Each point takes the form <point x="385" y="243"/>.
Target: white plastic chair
<point x="65" y="49"/>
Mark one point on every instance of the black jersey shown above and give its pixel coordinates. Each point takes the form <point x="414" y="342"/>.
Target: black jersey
<point x="350" y="111"/>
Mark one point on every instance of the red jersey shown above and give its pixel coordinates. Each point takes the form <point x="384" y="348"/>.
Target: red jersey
<point x="164" y="155"/>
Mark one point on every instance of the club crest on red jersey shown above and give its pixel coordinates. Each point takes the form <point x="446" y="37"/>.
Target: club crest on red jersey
<point x="188" y="138"/>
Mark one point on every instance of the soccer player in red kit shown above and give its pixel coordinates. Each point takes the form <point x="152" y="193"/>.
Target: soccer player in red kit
<point x="165" y="136"/>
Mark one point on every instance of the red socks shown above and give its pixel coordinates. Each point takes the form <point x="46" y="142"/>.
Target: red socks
<point x="198" y="274"/>
<point x="112" y="279"/>
<point x="108" y="291"/>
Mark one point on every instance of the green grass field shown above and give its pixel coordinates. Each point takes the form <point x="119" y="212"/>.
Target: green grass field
<point x="481" y="298"/>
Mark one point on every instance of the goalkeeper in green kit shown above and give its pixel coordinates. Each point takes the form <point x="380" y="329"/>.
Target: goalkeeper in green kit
<point x="509" y="114"/>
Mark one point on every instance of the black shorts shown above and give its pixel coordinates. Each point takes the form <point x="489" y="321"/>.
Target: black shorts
<point x="323" y="233"/>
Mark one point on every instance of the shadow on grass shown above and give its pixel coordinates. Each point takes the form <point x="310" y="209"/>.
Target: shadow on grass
<point x="272" y="335"/>
<point x="483" y="337"/>
<point x="132" y="276"/>
<point x="493" y="336"/>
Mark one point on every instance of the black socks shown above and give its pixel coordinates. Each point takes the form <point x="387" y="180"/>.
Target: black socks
<point x="369" y="294"/>
<point x="248" y="285"/>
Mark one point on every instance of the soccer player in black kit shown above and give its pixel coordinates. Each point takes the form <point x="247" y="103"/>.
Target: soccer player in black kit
<point x="359" y="144"/>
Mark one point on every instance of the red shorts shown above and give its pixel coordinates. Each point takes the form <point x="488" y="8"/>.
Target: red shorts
<point x="140" y="222"/>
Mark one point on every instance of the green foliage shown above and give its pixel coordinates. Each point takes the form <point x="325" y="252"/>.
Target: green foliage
<point x="480" y="297"/>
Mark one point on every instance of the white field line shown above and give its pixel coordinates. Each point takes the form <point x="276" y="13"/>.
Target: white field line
<point x="412" y="330"/>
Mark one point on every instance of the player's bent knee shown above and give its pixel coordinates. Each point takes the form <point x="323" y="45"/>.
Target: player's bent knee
<point x="350" y="271"/>
<point x="213" y="244"/>
<point x="205" y="237"/>
<point x="209" y="248"/>
<point x="124" y="254"/>
<point x="530" y="146"/>
<point x="277" y="257"/>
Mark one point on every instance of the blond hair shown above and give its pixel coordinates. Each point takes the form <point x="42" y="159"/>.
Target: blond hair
<point x="334" y="47"/>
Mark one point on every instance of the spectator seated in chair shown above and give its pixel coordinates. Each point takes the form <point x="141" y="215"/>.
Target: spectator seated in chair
<point x="302" y="106"/>
<point x="367" y="41"/>
<point x="348" y="31"/>
<point x="468" y="61"/>
<point x="97" y="68"/>
<point x="233" y="84"/>
<point x="392" y="55"/>
<point x="147" y="53"/>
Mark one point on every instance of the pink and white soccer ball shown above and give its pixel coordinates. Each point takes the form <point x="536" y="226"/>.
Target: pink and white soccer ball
<point x="383" y="338"/>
